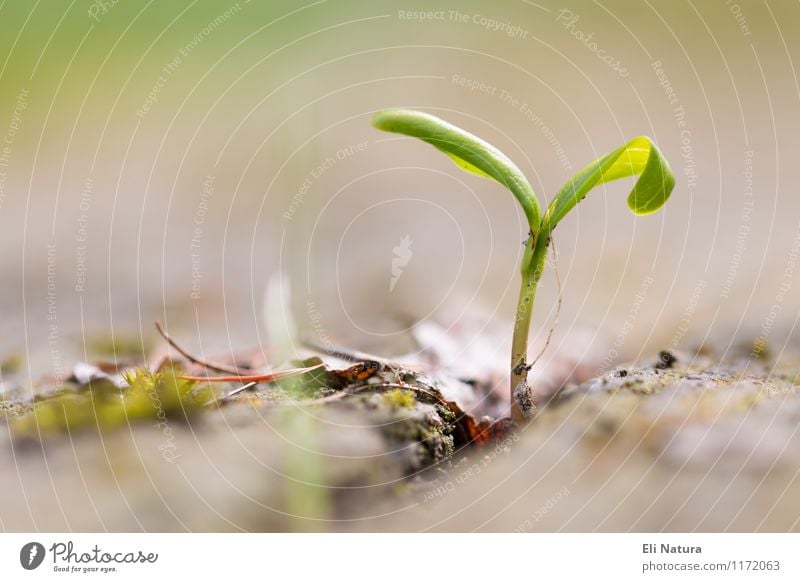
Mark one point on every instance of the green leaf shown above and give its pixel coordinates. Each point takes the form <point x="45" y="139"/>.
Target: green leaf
<point x="469" y="152"/>
<point x="641" y="157"/>
<point x="466" y="166"/>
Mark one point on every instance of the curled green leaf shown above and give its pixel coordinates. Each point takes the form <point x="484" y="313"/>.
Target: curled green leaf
<point x="470" y="153"/>
<point x="641" y="157"/>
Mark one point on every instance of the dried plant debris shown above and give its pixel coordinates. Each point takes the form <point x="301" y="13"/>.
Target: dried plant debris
<point x="419" y="426"/>
<point x="325" y="386"/>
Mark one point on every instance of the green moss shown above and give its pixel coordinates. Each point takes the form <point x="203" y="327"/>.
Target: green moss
<point x="149" y="396"/>
<point x="400" y="398"/>
<point x="417" y="429"/>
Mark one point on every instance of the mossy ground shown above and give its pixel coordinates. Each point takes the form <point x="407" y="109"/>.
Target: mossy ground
<point x="101" y="404"/>
<point x="405" y="409"/>
<point x="345" y="447"/>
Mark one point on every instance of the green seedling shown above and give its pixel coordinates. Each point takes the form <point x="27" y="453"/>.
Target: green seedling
<point x="639" y="157"/>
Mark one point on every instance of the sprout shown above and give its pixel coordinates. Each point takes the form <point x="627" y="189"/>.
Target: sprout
<point x="639" y="157"/>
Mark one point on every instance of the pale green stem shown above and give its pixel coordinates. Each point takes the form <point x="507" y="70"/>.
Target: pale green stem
<point x="532" y="267"/>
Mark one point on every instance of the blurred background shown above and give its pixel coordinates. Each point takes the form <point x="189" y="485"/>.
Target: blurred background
<point x="163" y="159"/>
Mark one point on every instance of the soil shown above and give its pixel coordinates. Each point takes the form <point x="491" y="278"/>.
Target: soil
<point x="688" y="441"/>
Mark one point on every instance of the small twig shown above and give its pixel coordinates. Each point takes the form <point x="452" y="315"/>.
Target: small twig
<point x="257" y="378"/>
<point x="234" y="392"/>
<point x="345" y="354"/>
<point x="194" y="359"/>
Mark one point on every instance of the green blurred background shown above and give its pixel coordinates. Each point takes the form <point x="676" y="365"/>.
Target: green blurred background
<point x="163" y="163"/>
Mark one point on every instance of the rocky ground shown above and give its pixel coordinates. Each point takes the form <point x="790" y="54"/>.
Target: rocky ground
<point x="686" y="441"/>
